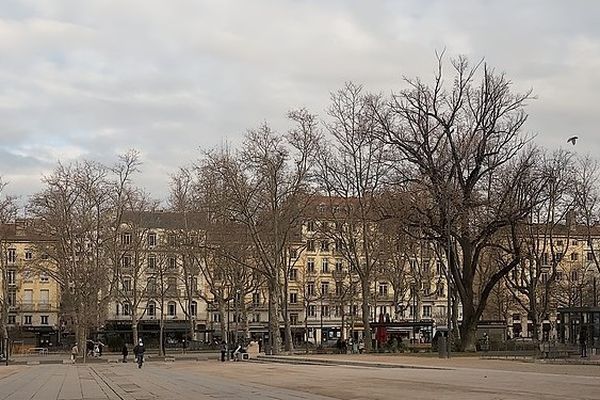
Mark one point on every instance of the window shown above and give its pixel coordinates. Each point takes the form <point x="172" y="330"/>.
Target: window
<point x="28" y="255"/>
<point x="12" y="297"/>
<point x="44" y="319"/>
<point x="171" y="309"/>
<point x="172" y="262"/>
<point x="151" y="239"/>
<point x="27" y="275"/>
<point x="440" y="289"/>
<point x="126" y="309"/>
<point x="574" y="276"/>
<point x="44" y="296"/>
<point x="126" y="238"/>
<point x="293" y="253"/>
<point x="325" y="265"/>
<point x="310" y="289"/>
<point x="544" y="278"/>
<point x="151" y="309"/>
<point x="590" y="256"/>
<point x="339" y="266"/>
<point x="559" y="276"/>
<point x="559" y="242"/>
<point x="28" y="296"/>
<point x="558" y="257"/>
<point x="12" y="319"/>
<point x="310" y="226"/>
<point x="126" y="283"/>
<point x="43" y="277"/>
<point x="310" y="265"/>
<point x="293" y="318"/>
<point x="172" y="283"/>
<point x="324" y="245"/>
<point x="293" y="274"/>
<point x="310" y="245"/>
<point x="293" y="298"/>
<point x="12" y="255"/>
<point x="256" y="299"/>
<point x="27" y="319"/>
<point x="338" y="244"/>
<point x="339" y="289"/>
<point x="545" y="259"/>
<point x="324" y="288"/>
<point x="574" y="242"/>
<point x="426" y="267"/>
<point x="439" y="270"/>
<point x="216" y="317"/>
<point x="325" y="311"/>
<point x="193" y="308"/>
<point x="337" y="311"/>
<point x="383" y="289"/>
<point x="151" y="286"/>
<point x="12" y="277"/>
<point x="152" y="262"/>
<point x="312" y="310"/>
<point x="171" y="240"/>
<point x="126" y="261"/>
<point x="574" y="256"/>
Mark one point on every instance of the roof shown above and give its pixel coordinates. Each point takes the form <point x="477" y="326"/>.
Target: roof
<point x="23" y="230"/>
<point x="167" y="219"/>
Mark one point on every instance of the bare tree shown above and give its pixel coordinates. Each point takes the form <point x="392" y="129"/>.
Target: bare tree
<point x="461" y="146"/>
<point x="80" y="207"/>
<point x="351" y="173"/>
<point x="545" y="240"/>
<point x="267" y="190"/>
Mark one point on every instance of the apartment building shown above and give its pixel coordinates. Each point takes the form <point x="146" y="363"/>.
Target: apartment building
<point x="31" y="293"/>
<point x="158" y="279"/>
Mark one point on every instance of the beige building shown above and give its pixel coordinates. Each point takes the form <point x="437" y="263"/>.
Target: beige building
<point x="30" y="292"/>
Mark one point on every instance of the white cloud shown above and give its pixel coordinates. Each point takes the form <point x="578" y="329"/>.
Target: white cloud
<point x="94" y="78"/>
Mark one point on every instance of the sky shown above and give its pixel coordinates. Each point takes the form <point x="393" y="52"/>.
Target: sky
<point x="91" y="79"/>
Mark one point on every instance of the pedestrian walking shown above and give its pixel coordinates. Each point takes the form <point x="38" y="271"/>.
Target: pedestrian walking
<point x="74" y="352"/>
<point x="125" y="352"/>
<point x="138" y="352"/>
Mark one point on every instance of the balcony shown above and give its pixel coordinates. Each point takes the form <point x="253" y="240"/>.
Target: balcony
<point x="33" y="307"/>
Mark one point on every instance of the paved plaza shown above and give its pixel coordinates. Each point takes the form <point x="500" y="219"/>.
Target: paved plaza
<point x="411" y="378"/>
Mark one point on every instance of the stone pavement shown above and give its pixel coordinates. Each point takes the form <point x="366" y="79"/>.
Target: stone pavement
<point x="243" y="380"/>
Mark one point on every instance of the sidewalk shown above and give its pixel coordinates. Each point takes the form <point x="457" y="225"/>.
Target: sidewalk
<point x="588" y="368"/>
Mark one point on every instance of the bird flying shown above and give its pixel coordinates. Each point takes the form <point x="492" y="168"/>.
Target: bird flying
<point x="572" y="140"/>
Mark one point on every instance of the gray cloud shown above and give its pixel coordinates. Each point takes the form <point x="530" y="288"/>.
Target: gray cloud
<point x="94" y="78"/>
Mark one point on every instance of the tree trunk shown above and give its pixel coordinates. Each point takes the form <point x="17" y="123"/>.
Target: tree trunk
<point x="468" y="333"/>
<point x="275" y="339"/>
<point x="161" y="341"/>
<point x="134" y="325"/>
<point x="366" y="289"/>
<point x="289" y="344"/>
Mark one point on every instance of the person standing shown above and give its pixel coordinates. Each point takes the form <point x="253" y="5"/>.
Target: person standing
<point x="74" y="352"/>
<point x="223" y="350"/>
<point x="125" y="352"/>
<point x="583" y="340"/>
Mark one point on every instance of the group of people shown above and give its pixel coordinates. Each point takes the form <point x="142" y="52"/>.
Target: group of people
<point x="235" y="352"/>
<point x="96" y="351"/>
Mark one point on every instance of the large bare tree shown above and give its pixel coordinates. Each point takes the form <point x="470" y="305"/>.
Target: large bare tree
<point x="460" y="142"/>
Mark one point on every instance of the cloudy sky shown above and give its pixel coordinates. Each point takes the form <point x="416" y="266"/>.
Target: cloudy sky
<point x="91" y="79"/>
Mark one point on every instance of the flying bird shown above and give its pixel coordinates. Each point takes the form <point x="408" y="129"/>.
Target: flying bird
<point x="572" y="140"/>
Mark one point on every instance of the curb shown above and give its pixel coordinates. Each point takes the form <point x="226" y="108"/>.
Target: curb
<point x="324" y="362"/>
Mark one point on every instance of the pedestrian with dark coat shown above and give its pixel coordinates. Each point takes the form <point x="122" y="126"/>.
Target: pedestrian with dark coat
<point x="583" y="340"/>
<point x="125" y="352"/>
<point x="223" y="350"/>
<point x="138" y="352"/>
